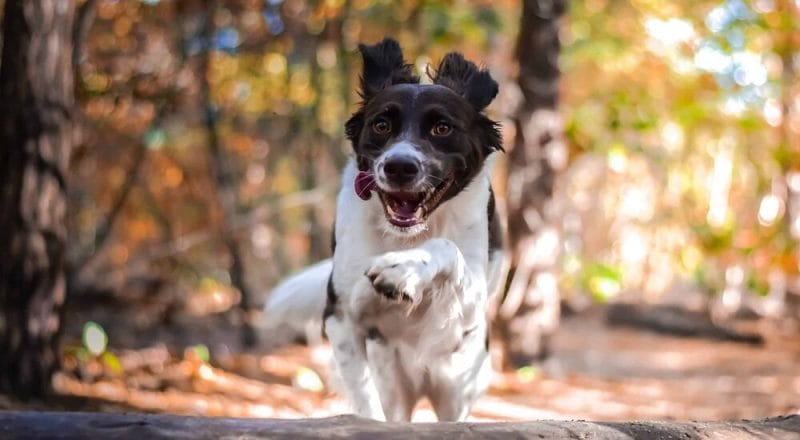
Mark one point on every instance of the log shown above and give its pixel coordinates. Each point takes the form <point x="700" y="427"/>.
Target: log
<point x="676" y="321"/>
<point x="79" y="425"/>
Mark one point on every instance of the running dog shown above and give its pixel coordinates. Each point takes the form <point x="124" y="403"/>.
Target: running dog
<point x="417" y="242"/>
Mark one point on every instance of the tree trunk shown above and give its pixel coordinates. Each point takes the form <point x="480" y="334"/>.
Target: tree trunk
<point x="36" y="100"/>
<point x="789" y="181"/>
<point x="790" y="92"/>
<point x="224" y="180"/>
<point x="530" y="310"/>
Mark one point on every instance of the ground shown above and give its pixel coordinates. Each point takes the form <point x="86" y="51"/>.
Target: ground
<point x="596" y="372"/>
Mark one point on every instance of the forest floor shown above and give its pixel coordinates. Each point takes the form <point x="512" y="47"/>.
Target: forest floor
<point x="596" y="371"/>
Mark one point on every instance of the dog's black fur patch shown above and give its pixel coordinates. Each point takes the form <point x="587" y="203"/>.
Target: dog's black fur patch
<point x="374" y="334"/>
<point x="331" y="305"/>
<point x="495" y="228"/>
<point x="332" y="298"/>
<point x="466" y="79"/>
<point x="460" y="93"/>
<point x="384" y="66"/>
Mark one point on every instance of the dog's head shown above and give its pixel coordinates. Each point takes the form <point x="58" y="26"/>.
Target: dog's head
<point x="421" y="144"/>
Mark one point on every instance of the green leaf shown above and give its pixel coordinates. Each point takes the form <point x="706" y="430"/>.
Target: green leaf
<point x="602" y="281"/>
<point x="94" y="338"/>
<point x="528" y="374"/>
<point x="112" y="362"/>
<point x="202" y="352"/>
<point x="308" y="379"/>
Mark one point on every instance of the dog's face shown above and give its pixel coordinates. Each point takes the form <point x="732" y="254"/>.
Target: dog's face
<point x="420" y="143"/>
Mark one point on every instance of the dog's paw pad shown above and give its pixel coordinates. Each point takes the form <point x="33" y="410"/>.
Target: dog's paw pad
<point x="386" y="289"/>
<point x="399" y="276"/>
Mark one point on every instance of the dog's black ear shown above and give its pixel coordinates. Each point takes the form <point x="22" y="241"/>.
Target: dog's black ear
<point x="465" y="78"/>
<point x="383" y="66"/>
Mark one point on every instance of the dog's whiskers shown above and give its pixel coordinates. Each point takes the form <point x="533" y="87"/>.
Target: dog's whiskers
<point x="363" y="191"/>
<point x="431" y="176"/>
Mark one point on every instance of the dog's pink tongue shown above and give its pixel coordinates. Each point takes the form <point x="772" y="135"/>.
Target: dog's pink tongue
<point x="365" y="183"/>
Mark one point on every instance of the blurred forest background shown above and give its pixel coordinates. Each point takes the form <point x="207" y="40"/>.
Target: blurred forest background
<point x="206" y="144"/>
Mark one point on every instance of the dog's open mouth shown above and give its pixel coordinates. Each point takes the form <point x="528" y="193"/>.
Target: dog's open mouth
<point x="405" y="209"/>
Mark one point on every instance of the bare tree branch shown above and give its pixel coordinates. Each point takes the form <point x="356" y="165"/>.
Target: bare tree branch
<point x="106" y="225"/>
<point x="257" y="215"/>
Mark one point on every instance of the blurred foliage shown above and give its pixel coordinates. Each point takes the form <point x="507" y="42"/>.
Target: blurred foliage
<point x="682" y="120"/>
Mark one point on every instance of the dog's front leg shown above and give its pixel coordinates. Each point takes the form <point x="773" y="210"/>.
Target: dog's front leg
<point x="407" y="275"/>
<point x="458" y="366"/>
<point x="349" y="353"/>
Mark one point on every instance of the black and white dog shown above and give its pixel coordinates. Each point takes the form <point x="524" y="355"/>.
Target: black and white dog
<point x="417" y="243"/>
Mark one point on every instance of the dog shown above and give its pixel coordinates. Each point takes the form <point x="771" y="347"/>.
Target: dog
<point x="417" y="246"/>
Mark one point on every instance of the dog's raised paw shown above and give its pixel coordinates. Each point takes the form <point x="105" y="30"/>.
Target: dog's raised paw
<point x="401" y="276"/>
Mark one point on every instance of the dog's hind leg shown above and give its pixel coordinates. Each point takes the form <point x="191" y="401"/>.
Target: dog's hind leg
<point x="397" y="391"/>
<point x="350" y="354"/>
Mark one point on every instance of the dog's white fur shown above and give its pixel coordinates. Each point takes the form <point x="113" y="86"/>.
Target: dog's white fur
<point x="390" y="353"/>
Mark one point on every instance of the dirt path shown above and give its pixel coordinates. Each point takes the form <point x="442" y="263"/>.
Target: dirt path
<point x="596" y="372"/>
<point x="602" y="373"/>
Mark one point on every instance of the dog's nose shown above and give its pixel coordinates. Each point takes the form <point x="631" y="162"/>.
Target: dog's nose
<point x="401" y="169"/>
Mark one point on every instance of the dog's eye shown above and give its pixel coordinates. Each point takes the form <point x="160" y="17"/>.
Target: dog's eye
<point x="441" y="129"/>
<point x="381" y="126"/>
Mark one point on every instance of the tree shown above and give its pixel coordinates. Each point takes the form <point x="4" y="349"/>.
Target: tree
<point x="224" y="178"/>
<point x="36" y="101"/>
<point x="530" y="310"/>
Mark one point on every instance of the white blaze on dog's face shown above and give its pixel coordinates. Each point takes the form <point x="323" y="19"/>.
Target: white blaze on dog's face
<point x="422" y="144"/>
